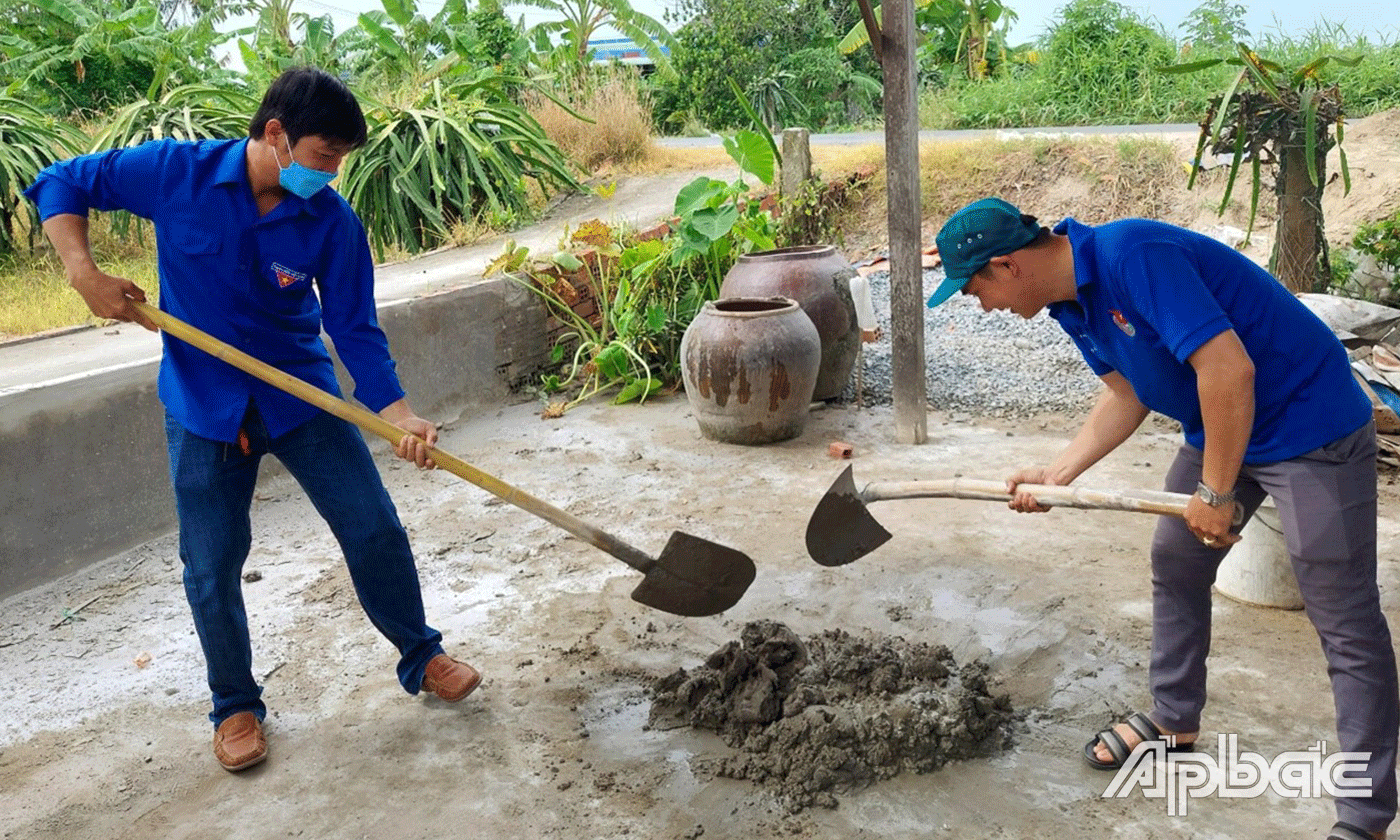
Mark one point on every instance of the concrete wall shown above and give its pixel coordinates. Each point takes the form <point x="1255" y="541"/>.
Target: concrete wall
<point x="83" y="469"/>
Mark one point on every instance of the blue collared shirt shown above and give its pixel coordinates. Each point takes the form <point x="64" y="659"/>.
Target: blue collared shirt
<point x="265" y="284"/>
<point x="1151" y="294"/>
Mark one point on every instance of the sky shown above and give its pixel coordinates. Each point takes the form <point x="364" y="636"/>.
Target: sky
<point x="1377" y="21"/>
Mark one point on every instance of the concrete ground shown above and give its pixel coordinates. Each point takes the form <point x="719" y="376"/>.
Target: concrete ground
<point x="103" y="731"/>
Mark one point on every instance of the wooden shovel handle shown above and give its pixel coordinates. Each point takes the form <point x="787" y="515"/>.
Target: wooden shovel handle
<point x="374" y="424"/>
<point x="1050" y="495"/>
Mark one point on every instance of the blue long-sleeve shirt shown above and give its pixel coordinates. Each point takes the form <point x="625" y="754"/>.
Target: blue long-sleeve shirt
<point x="1151" y="294"/>
<point x="265" y="284"/>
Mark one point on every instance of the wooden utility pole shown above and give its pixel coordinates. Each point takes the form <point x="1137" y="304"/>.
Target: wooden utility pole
<point x="797" y="160"/>
<point x="905" y="222"/>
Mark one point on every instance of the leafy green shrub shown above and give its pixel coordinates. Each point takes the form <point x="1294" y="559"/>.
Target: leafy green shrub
<point x="1343" y="263"/>
<point x="1100" y="60"/>
<point x="828" y="89"/>
<point x="754" y="43"/>
<point x="1213" y="28"/>
<point x="1380" y="239"/>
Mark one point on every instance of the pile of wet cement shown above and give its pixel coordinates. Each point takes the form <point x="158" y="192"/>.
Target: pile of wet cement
<point x="810" y="719"/>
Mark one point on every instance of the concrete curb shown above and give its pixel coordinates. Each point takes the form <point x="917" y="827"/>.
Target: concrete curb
<point x="84" y="472"/>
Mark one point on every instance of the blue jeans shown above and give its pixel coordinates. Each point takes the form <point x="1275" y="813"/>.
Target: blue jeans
<point x="214" y="484"/>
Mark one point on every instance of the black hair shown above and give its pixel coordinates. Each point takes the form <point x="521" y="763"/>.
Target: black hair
<point x="307" y="101"/>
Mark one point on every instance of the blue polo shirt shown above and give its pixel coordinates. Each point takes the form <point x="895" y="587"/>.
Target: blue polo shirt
<point x="264" y="284"/>
<point x="1150" y="294"/>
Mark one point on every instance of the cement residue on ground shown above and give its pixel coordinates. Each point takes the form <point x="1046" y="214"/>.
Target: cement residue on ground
<point x="812" y="718"/>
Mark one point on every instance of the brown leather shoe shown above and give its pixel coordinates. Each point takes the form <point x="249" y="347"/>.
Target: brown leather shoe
<point x="239" y="742"/>
<point x="449" y="679"/>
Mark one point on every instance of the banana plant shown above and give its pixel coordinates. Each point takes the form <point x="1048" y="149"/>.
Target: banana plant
<point x="412" y="47"/>
<point x="56" y="47"/>
<point x="320" y="46"/>
<point x="577" y="21"/>
<point x="1270" y="115"/>
<point x="971" y="23"/>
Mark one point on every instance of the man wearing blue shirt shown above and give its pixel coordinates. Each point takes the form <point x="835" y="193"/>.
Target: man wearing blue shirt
<point x="1178" y="323"/>
<point x="254" y="250"/>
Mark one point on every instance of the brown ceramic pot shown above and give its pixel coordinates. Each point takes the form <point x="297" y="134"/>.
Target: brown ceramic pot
<point x="818" y="278"/>
<point x="749" y="366"/>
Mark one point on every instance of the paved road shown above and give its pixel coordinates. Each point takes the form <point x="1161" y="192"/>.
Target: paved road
<point x="29" y="364"/>
<point x="864" y="138"/>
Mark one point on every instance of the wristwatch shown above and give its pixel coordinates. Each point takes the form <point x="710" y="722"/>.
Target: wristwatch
<point x="1212" y="498"/>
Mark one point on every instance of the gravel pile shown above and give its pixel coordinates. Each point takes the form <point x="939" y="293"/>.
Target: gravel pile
<point x="993" y="364"/>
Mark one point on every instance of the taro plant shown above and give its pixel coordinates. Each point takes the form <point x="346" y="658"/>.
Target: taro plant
<point x="1269" y="114"/>
<point x="716" y="223"/>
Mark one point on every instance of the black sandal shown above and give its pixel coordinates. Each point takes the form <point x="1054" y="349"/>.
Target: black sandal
<point x="1118" y="748"/>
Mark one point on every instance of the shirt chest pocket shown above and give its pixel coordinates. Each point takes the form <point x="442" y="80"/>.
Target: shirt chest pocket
<point x="191" y="237"/>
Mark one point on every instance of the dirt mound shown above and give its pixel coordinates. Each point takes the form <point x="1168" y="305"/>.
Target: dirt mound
<point x="810" y="719"/>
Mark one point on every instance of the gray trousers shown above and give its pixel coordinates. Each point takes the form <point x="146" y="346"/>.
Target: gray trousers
<point x="1326" y="501"/>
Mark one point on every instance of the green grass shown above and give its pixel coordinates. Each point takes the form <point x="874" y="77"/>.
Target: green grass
<point x="35" y="295"/>
<point x="1106" y="72"/>
<point x="1098" y="67"/>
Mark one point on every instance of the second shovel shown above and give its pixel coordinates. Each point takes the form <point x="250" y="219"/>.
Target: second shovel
<point x="842" y="530"/>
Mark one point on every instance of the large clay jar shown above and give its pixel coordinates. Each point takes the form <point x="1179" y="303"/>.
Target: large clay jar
<point x="749" y="366"/>
<point x="818" y="278"/>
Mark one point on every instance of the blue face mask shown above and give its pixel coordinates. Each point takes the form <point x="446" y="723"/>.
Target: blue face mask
<point x="300" y="180"/>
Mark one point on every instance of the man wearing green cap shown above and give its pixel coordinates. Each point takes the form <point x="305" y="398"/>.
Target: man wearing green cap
<point x="1178" y="323"/>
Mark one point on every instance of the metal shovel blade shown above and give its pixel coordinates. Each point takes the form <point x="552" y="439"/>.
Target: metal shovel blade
<point x="695" y="577"/>
<point x="841" y="529"/>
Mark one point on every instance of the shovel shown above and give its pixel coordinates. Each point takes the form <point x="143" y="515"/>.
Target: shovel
<point x="692" y="577"/>
<point x="842" y="530"/>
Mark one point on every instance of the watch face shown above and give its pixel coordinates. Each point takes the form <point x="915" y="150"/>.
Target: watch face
<point x="1211" y="497"/>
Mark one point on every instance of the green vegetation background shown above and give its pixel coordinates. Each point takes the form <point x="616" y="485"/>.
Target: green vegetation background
<point x="476" y="120"/>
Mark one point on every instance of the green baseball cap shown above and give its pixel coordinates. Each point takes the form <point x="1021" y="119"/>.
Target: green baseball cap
<point x="970" y="238"/>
